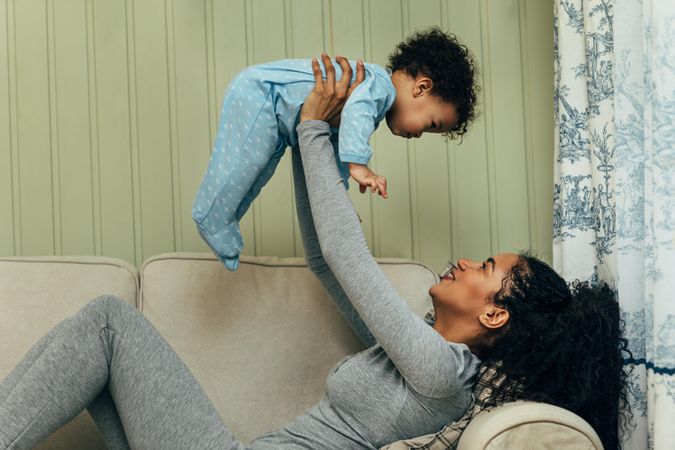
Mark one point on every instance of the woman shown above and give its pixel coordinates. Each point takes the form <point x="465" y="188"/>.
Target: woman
<point x="413" y="378"/>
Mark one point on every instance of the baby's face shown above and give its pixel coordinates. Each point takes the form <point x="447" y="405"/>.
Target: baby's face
<point x="416" y="110"/>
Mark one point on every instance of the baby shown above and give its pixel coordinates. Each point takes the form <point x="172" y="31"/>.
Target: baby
<point x="427" y="87"/>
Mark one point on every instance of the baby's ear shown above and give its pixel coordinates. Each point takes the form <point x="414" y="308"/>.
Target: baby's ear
<point x="423" y="85"/>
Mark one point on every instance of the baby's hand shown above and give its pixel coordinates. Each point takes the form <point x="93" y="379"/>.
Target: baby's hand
<point x="366" y="177"/>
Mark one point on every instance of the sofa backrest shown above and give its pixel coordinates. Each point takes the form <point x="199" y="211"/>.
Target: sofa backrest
<point x="38" y="292"/>
<point x="262" y="340"/>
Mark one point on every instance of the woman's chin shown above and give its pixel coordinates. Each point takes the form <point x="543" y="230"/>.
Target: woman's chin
<point x="432" y="292"/>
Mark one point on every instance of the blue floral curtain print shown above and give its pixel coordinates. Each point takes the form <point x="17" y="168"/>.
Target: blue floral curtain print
<point x="614" y="192"/>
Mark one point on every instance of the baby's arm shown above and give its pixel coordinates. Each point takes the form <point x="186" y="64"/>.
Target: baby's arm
<point x="367" y="178"/>
<point x="366" y="107"/>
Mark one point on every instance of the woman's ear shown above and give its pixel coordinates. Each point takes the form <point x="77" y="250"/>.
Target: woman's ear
<point x="494" y="317"/>
<point x="423" y="86"/>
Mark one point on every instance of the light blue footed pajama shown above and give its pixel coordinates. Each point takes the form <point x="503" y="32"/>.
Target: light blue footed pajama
<point x="257" y="122"/>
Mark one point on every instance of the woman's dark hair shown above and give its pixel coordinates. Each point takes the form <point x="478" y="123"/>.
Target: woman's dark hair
<point x="563" y="345"/>
<point x="450" y="65"/>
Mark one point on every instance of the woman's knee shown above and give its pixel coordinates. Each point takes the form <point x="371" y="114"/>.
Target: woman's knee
<point x="109" y="306"/>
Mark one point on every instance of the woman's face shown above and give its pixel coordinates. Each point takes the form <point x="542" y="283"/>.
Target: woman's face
<point x="466" y="289"/>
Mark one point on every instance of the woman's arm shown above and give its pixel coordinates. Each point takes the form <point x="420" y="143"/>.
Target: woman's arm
<point x="430" y="364"/>
<point x="315" y="259"/>
<point x="326" y="100"/>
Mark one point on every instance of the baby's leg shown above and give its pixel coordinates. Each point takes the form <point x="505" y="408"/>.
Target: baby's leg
<point x="246" y="152"/>
<point x="109" y="344"/>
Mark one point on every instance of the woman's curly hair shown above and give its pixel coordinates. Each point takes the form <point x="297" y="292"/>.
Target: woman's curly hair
<point x="563" y="345"/>
<point x="449" y="64"/>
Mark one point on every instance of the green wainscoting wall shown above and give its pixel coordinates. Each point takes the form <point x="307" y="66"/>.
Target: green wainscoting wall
<point x="108" y="110"/>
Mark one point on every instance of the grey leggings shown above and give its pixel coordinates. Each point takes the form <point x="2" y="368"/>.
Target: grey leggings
<point x="109" y="359"/>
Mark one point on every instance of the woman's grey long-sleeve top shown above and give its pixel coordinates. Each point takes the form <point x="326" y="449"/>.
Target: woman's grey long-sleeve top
<point x="409" y="381"/>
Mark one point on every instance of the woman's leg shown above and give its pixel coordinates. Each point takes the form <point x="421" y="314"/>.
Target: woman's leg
<point x="109" y="344"/>
<point x="102" y="409"/>
<point x="104" y="412"/>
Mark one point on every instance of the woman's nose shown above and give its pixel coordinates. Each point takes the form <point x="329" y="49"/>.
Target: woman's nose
<point x="464" y="264"/>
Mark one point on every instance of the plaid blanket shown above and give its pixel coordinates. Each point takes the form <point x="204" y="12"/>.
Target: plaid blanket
<point x="448" y="437"/>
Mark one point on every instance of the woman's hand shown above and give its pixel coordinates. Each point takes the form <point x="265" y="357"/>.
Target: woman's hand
<point x="326" y="100"/>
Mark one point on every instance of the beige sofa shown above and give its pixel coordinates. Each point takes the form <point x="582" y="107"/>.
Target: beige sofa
<point x="260" y="341"/>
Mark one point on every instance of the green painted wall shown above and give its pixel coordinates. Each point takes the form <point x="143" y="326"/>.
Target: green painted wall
<point x="108" y="110"/>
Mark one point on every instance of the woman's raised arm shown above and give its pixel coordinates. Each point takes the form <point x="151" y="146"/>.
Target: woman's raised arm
<point x="431" y="365"/>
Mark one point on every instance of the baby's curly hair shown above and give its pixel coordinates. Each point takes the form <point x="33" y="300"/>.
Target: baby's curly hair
<point x="450" y="65"/>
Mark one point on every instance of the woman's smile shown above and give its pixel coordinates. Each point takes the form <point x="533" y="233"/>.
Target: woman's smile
<point x="449" y="272"/>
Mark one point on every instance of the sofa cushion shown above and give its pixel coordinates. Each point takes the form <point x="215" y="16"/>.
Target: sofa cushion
<point x="262" y="340"/>
<point x="38" y="292"/>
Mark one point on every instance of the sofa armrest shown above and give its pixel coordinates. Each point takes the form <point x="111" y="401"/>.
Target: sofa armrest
<point x="519" y="424"/>
<point x="36" y="293"/>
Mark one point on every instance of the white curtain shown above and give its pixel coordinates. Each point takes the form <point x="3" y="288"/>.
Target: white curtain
<point x="614" y="194"/>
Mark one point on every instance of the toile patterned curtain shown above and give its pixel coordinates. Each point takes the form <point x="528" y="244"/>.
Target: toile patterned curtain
<point x="614" y="193"/>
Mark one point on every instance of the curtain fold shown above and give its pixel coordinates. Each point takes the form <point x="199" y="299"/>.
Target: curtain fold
<point x="614" y="182"/>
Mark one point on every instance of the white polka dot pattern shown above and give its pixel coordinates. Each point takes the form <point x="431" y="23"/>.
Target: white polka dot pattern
<point x="257" y="122"/>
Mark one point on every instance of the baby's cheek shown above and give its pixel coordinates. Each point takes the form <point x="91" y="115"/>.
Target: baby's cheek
<point x="406" y="123"/>
<point x="413" y="124"/>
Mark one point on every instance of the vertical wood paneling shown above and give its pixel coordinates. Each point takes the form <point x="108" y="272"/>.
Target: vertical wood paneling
<point x="172" y="94"/>
<point x="274" y="222"/>
<point x="6" y="178"/>
<point x="486" y="62"/>
<point x="508" y="150"/>
<point x="112" y="109"/>
<point x="392" y="217"/>
<point x="71" y="125"/>
<point x="53" y="128"/>
<point x="306" y="28"/>
<point x="14" y="127"/>
<point x="430" y="155"/>
<point x="93" y="128"/>
<point x="134" y="129"/>
<point x="154" y="133"/>
<point x="346" y="32"/>
<point x="469" y="181"/>
<point x="33" y="139"/>
<point x="114" y="146"/>
<point x="537" y="41"/>
<point x="190" y="113"/>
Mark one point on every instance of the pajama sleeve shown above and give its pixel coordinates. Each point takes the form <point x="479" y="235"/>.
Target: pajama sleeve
<point x="365" y="108"/>
<point x="431" y="365"/>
